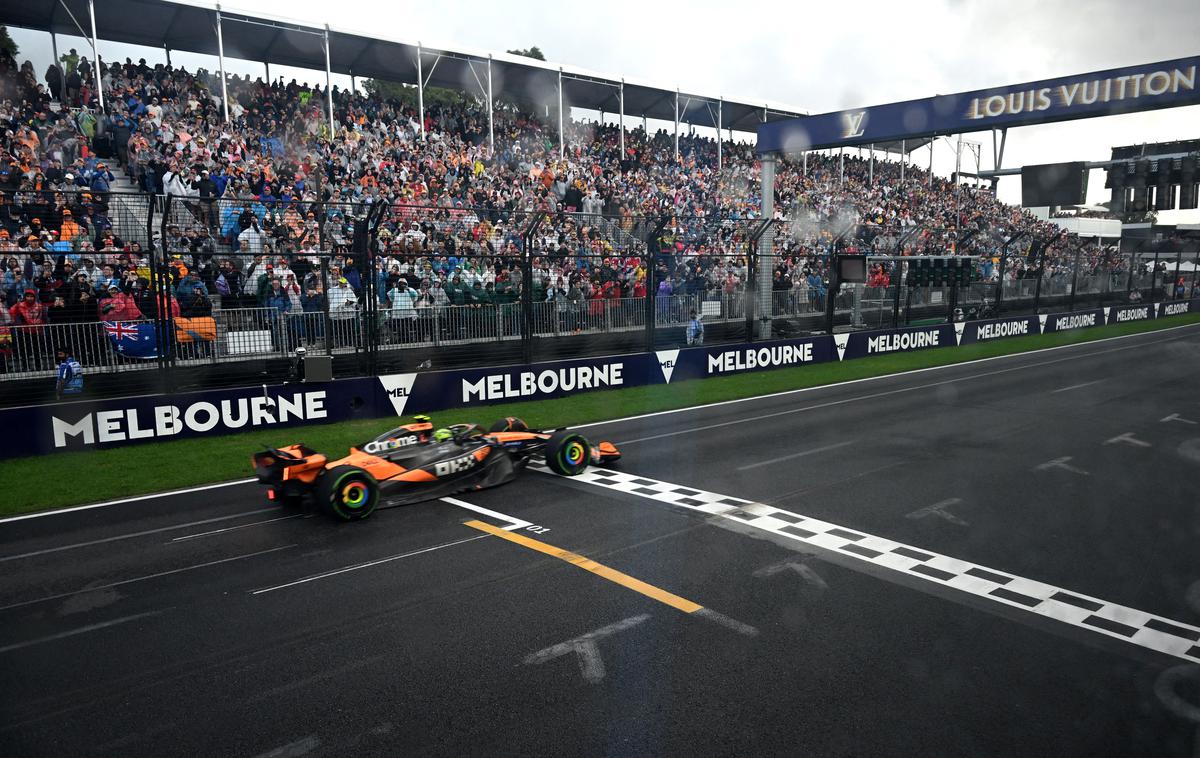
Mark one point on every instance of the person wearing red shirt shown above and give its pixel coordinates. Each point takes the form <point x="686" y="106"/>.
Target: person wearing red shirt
<point x="118" y="306"/>
<point x="30" y="315"/>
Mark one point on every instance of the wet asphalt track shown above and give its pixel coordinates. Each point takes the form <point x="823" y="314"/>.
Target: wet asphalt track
<point x="214" y="624"/>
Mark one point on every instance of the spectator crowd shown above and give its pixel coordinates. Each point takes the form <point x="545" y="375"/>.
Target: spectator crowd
<point x="273" y="205"/>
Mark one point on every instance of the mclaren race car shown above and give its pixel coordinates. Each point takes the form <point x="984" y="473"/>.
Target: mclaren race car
<point x="415" y="462"/>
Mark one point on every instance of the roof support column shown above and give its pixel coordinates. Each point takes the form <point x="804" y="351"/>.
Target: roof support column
<point x="958" y="161"/>
<point x="167" y="50"/>
<point x="764" y="261"/>
<point x="420" y="93"/>
<point x="562" y="137"/>
<point x="221" y="62"/>
<point x="903" y="159"/>
<point x="929" y="179"/>
<point x="62" y="75"/>
<point x="720" y="120"/>
<point x="96" y="55"/>
<point x="841" y="165"/>
<point x="329" y="87"/>
<point x="871" y="167"/>
<point x="621" y="111"/>
<point x="804" y="160"/>
<point x="676" y="124"/>
<point x="353" y="82"/>
<point x="1000" y="155"/>
<point x="491" y="109"/>
<point x="267" y="67"/>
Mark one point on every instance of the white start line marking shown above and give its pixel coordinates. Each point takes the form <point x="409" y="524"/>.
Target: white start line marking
<point x="1120" y="622"/>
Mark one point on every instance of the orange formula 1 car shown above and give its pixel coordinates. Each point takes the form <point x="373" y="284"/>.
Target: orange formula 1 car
<point x="415" y="462"/>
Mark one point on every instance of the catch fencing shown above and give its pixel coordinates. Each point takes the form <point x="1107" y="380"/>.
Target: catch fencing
<point x="397" y="287"/>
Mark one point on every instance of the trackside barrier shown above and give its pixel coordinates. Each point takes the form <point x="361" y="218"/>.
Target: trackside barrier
<point x="123" y="421"/>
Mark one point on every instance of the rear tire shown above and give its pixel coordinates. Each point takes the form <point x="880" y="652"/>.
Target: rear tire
<point x="510" y="424"/>
<point x="348" y="493"/>
<point x="568" y="453"/>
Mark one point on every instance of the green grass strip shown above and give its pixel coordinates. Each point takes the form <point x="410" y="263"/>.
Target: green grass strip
<point x="63" y="479"/>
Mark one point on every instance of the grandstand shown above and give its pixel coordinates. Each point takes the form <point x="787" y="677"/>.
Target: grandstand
<point x="233" y="218"/>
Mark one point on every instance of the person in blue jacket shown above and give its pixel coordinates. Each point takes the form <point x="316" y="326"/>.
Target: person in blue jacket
<point x="70" y="375"/>
<point x="695" y="329"/>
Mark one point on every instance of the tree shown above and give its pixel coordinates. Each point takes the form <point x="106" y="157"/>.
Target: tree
<point x="407" y="93"/>
<point x="10" y="47"/>
<point x="534" y="52"/>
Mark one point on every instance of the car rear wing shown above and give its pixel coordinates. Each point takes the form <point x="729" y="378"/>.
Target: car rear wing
<point x="270" y="464"/>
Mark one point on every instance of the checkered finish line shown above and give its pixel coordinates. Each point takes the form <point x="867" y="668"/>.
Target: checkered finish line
<point x="1089" y="613"/>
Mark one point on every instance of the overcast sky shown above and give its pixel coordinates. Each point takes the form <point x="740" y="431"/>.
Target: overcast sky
<point x="815" y="56"/>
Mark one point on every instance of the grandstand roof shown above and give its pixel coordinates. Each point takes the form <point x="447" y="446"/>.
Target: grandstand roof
<point x="188" y="25"/>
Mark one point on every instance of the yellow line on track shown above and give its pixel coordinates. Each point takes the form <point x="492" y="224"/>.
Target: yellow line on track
<point x="587" y="564"/>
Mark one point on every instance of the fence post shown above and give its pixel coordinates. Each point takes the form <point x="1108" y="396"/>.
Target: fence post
<point x="1129" y="284"/>
<point x="748" y="286"/>
<point x="326" y="288"/>
<point x="953" y="299"/>
<point x="371" y="309"/>
<point x="651" y="293"/>
<point x="1041" y="269"/>
<point x="750" y="298"/>
<point x="653" y="252"/>
<point x="1041" y="273"/>
<point x="1074" y="281"/>
<point x="162" y="301"/>
<point x="1154" y="275"/>
<point x="832" y="289"/>
<point x="527" y="325"/>
<point x="897" y="283"/>
<point x="1000" y="277"/>
<point x="1175" y="278"/>
<point x="155" y="289"/>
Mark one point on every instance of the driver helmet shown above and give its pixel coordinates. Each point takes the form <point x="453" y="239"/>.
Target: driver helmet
<point x="441" y="435"/>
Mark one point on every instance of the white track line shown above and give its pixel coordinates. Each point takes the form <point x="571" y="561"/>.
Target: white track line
<point x="623" y="419"/>
<point x="1075" y="387"/>
<point x="131" y="535"/>
<point x="235" y="528"/>
<point x="515" y="523"/>
<point x="80" y="630"/>
<point x="801" y="454"/>
<point x="151" y="496"/>
<point x="144" y="578"/>
<point x="1084" y="612"/>
<point x="368" y="564"/>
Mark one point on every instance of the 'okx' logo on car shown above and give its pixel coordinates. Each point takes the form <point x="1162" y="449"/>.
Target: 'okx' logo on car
<point x="454" y="465"/>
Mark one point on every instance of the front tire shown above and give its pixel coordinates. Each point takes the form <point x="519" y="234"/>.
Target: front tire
<point x="568" y="453"/>
<point x="348" y="493"/>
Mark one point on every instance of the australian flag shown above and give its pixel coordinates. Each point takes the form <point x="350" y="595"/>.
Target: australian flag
<point x="132" y="339"/>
